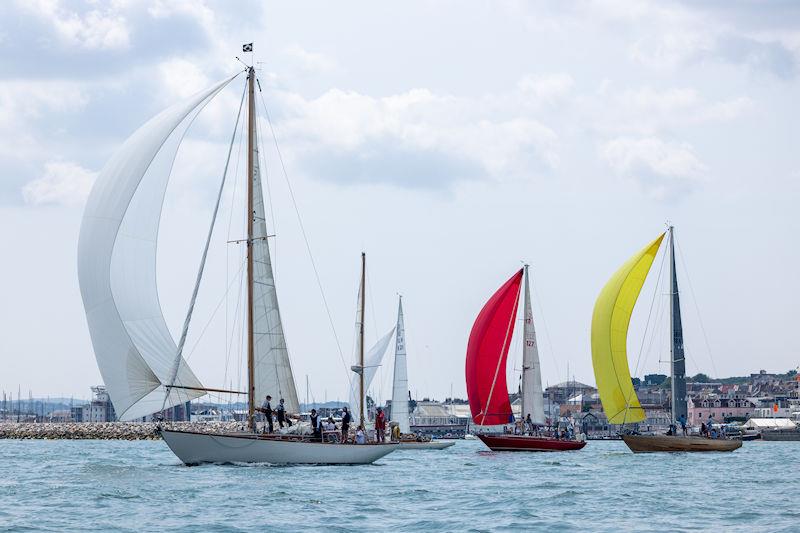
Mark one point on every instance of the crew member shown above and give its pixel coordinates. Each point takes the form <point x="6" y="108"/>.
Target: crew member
<point x="266" y="408"/>
<point x="380" y="425"/>
<point x="281" y="412"/>
<point x="315" y="425"/>
<point x="345" y="423"/>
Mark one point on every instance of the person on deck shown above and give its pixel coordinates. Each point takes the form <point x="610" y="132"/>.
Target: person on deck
<point x="281" y="412"/>
<point x="712" y="433"/>
<point x="380" y="425"/>
<point x="315" y="425"/>
<point x="266" y="408"/>
<point x="682" y="422"/>
<point x="345" y="423"/>
<point x="330" y="430"/>
<point x="360" y="436"/>
<point x="396" y="433"/>
<point x="528" y="425"/>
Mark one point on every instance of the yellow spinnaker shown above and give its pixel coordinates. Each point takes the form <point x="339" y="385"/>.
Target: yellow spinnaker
<point x="612" y="314"/>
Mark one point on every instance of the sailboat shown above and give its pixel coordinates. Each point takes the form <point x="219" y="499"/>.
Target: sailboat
<point x="140" y="362"/>
<point x="612" y="314"/>
<point x="400" y="394"/>
<point x="487" y="351"/>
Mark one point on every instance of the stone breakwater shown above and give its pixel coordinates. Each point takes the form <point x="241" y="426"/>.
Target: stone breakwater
<point x="105" y="430"/>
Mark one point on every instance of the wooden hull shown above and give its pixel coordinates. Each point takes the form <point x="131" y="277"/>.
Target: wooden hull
<point x="523" y="443"/>
<point x="194" y="448"/>
<point x="430" y="445"/>
<point x="666" y="443"/>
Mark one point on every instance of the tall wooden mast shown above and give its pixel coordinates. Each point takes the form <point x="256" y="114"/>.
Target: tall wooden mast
<point x="251" y="134"/>
<point x="361" y="397"/>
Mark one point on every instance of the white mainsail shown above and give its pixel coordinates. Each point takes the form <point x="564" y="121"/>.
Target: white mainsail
<point x="532" y="398"/>
<point x="400" y="380"/>
<point x="371" y="363"/>
<point x="117" y="266"/>
<point x="272" y="369"/>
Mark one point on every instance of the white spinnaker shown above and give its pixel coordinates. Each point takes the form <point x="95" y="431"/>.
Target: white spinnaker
<point x="372" y="360"/>
<point x="272" y="369"/>
<point x="400" y="379"/>
<point x="117" y="266"/>
<point x="532" y="398"/>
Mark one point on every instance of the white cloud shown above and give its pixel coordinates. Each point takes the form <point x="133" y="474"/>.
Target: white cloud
<point x="63" y="183"/>
<point x="463" y="136"/>
<point x="96" y="29"/>
<point x="662" y="168"/>
<point x="310" y="61"/>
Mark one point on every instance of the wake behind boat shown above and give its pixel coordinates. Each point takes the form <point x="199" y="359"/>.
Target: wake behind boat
<point x="141" y="364"/>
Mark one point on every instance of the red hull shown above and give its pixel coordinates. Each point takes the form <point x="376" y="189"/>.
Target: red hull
<point x="522" y="443"/>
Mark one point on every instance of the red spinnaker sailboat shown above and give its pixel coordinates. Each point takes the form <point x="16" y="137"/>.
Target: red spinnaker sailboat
<point x="487" y="352"/>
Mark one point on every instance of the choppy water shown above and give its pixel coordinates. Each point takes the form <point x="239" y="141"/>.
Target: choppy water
<point x="136" y="486"/>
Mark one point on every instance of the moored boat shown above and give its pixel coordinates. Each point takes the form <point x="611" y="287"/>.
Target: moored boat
<point x="433" y="444"/>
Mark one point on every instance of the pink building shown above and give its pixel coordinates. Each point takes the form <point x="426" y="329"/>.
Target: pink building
<point x="700" y="409"/>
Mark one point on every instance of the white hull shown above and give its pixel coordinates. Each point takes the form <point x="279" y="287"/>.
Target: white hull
<point x="430" y="445"/>
<point x="195" y="448"/>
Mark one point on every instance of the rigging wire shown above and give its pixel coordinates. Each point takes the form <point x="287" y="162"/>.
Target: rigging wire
<point x="303" y="231"/>
<point x="546" y="329"/>
<point x="199" y="277"/>
<point x="697" y="309"/>
<point x="650" y="312"/>
<point x="213" y="314"/>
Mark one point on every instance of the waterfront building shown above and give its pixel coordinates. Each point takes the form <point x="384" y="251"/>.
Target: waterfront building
<point x="723" y="409"/>
<point x="100" y="409"/>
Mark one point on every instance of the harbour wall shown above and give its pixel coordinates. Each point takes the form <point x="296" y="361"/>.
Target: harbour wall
<point x="104" y="430"/>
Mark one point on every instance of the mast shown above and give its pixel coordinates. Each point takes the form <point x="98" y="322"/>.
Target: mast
<point x="677" y="358"/>
<point x="361" y="398"/>
<point x="251" y="127"/>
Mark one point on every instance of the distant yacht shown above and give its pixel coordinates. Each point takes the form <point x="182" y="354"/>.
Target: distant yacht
<point x="400" y="395"/>
<point x="141" y="364"/>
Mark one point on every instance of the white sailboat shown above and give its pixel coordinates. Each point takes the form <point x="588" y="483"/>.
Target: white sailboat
<point x="400" y="414"/>
<point x="141" y="364"/>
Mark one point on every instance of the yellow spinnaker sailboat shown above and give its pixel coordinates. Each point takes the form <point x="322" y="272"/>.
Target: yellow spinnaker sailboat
<point x="610" y="320"/>
<point x="612" y="314"/>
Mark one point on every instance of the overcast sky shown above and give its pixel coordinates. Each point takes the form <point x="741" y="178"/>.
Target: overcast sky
<point x="450" y="141"/>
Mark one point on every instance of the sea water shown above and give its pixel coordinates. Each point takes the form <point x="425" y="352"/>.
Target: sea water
<point x="141" y="486"/>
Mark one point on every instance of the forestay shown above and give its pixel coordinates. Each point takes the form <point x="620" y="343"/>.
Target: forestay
<point x="612" y="315"/>
<point x="117" y="266"/>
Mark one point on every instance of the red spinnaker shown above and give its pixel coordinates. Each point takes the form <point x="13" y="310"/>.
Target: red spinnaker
<point x="487" y="351"/>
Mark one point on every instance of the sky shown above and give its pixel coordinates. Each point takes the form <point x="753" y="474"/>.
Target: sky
<point x="451" y="141"/>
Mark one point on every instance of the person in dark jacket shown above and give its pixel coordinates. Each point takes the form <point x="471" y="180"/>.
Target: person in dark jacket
<point x="281" y="412"/>
<point x="266" y="408"/>
<point x="345" y="423"/>
<point x="315" y="425"/>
